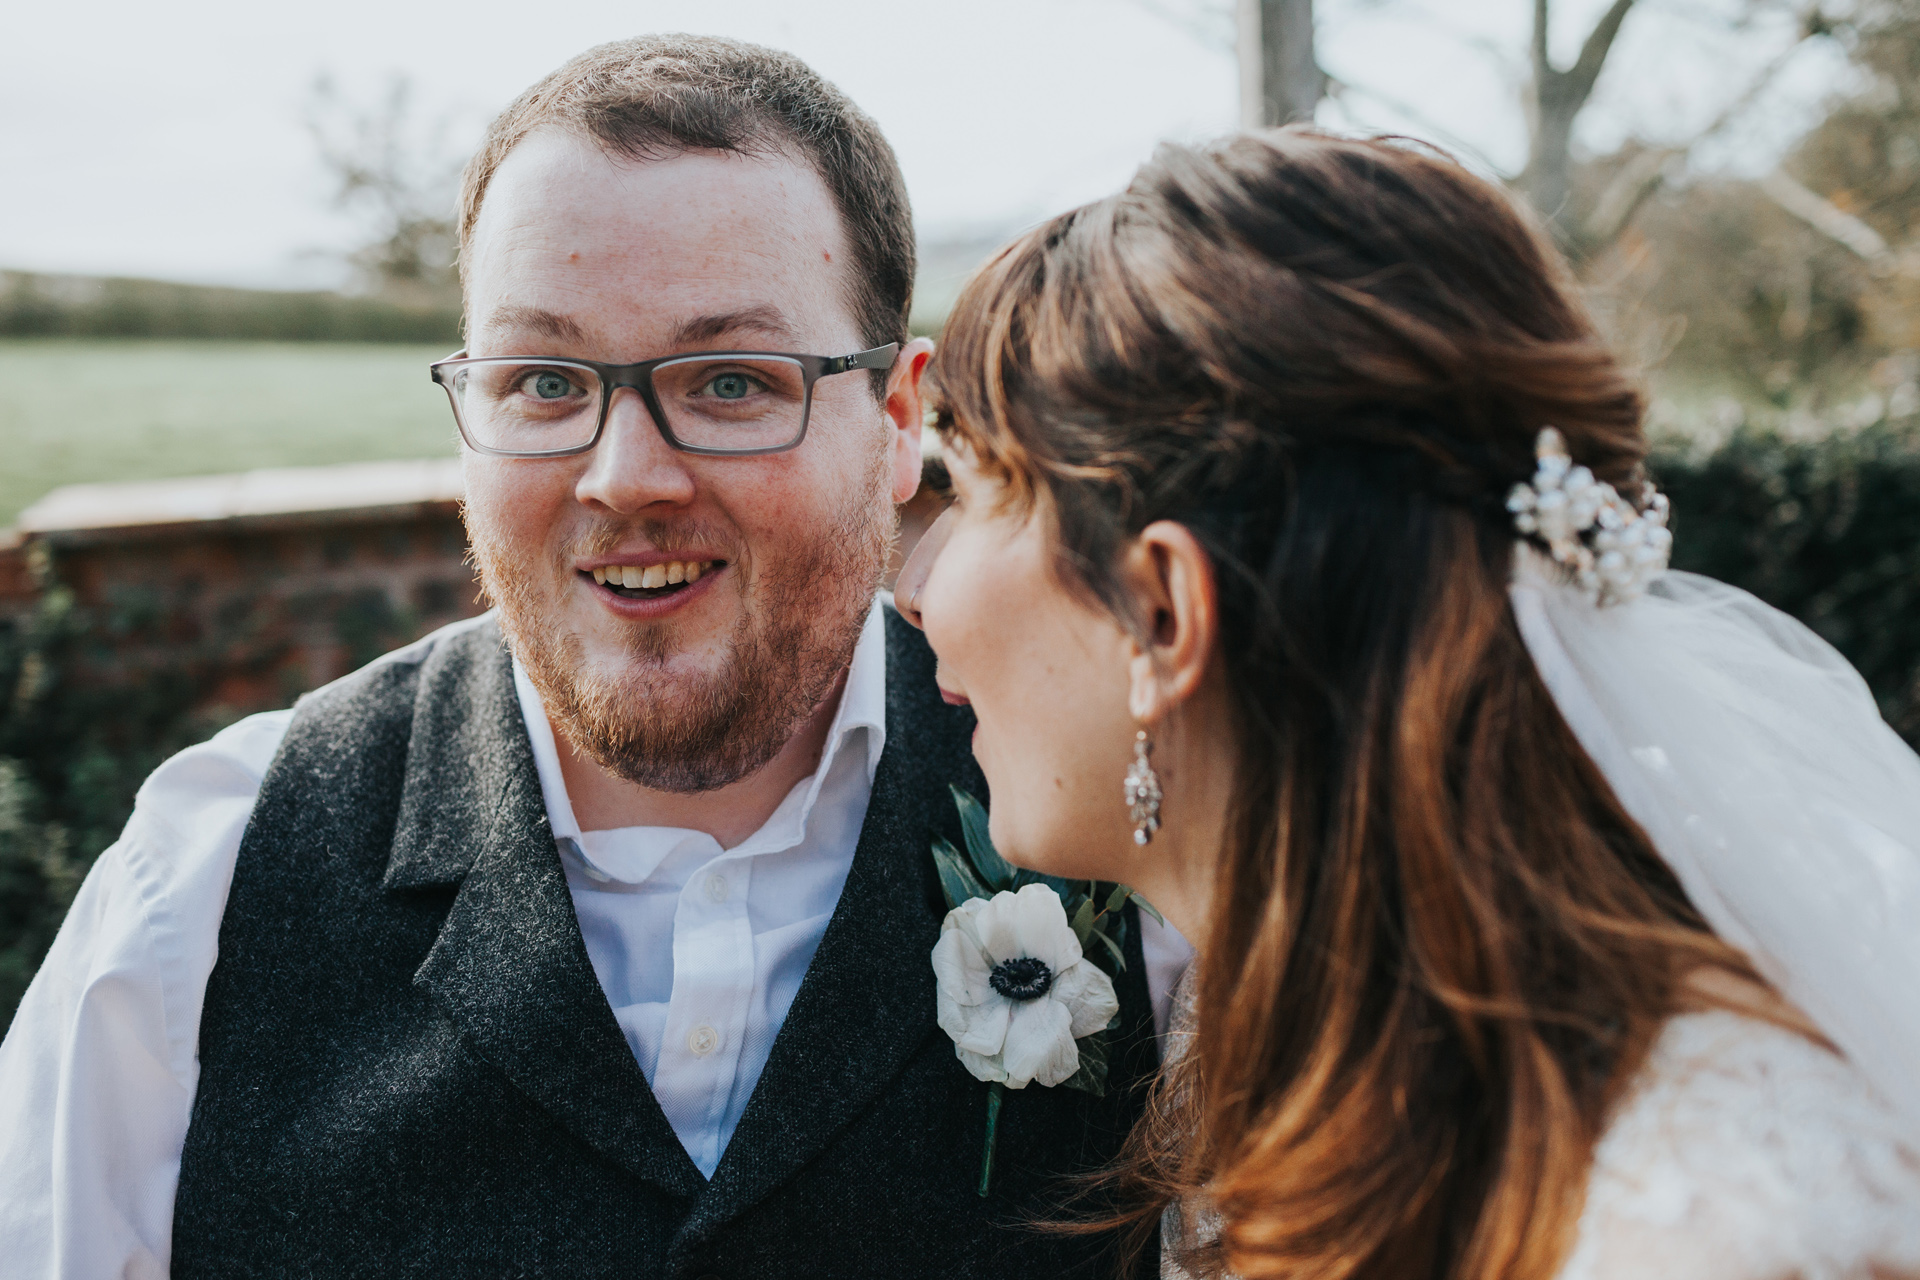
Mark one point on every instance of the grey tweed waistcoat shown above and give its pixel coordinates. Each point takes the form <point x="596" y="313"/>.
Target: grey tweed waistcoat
<point x="408" y="1068"/>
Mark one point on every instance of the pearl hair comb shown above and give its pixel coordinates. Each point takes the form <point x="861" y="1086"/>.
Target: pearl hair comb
<point x="1611" y="548"/>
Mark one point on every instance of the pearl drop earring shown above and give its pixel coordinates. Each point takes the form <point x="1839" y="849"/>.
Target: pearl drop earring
<point x="1142" y="788"/>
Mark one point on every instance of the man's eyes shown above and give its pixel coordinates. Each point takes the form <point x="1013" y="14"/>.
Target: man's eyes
<point x="549" y="384"/>
<point x="731" y="385"/>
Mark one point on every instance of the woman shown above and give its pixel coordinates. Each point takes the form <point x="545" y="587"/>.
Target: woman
<point x="1545" y="924"/>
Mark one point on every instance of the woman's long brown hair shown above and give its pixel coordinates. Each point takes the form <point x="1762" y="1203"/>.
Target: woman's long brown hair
<point x="1439" y="948"/>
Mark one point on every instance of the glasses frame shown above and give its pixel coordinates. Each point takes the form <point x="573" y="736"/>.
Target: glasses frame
<point x="639" y="377"/>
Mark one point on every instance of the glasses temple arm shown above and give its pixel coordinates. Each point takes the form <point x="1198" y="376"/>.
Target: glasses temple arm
<point x="877" y="358"/>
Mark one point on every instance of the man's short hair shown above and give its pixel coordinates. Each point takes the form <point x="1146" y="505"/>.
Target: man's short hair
<point x="662" y="95"/>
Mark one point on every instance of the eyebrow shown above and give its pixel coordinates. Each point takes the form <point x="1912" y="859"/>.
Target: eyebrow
<point x="767" y="320"/>
<point x="689" y="334"/>
<point x="537" y="320"/>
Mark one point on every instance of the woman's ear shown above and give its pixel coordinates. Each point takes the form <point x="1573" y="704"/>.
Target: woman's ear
<point x="1170" y="578"/>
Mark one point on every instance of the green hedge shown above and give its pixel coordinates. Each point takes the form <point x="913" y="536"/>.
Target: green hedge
<point x="36" y="306"/>
<point x="1828" y="530"/>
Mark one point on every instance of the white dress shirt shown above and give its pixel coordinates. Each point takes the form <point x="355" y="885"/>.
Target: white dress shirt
<point x="700" y="951"/>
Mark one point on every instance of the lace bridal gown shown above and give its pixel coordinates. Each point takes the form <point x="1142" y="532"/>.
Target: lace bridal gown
<point x="1743" y="1152"/>
<point x="1747" y="1152"/>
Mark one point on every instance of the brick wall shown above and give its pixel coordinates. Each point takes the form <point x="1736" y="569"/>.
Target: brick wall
<point x="205" y="581"/>
<point x="265" y="609"/>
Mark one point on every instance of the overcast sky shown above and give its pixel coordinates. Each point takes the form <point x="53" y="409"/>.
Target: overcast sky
<point x="166" y="139"/>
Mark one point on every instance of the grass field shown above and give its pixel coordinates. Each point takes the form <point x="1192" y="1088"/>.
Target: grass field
<point x="76" y="410"/>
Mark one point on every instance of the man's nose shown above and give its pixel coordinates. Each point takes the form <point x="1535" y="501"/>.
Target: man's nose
<point x="914" y="573"/>
<point x="633" y="466"/>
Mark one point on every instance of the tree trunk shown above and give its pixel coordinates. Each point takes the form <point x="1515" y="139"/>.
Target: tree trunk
<point x="1280" y="81"/>
<point x="1548" y="178"/>
<point x="1555" y="99"/>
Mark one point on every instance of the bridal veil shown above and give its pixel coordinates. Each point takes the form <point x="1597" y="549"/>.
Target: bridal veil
<point x="1756" y="760"/>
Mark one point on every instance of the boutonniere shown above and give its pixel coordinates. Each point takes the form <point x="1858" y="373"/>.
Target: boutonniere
<point x="1024" y="970"/>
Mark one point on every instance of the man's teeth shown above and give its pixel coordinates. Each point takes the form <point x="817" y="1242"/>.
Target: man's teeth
<point x="651" y="576"/>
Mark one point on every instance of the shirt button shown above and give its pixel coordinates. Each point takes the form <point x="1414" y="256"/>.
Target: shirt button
<point x="702" y="1040"/>
<point x="717" y="887"/>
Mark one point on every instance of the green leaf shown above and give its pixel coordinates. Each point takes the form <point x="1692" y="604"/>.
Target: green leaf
<point x="1119" y="895"/>
<point x="1092" y="1075"/>
<point x="1110" y="946"/>
<point x="957" y="880"/>
<point x="1146" y="906"/>
<point x="1082" y="922"/>
<point x="995" y="870"/>
<point x="1069" y="896"/>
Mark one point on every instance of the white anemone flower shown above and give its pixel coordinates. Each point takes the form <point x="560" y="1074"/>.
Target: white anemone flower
<point x="1015" y="992"/>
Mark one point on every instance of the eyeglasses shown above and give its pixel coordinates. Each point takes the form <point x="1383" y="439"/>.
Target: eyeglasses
<point x="712" y="402"/>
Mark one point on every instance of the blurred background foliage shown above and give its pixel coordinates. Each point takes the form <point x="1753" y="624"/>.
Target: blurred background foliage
<point x="77" y="736"/>
<point x="72" y="753"/>
<point x="1776" y="317"/>
<point x="1795" y="291"/>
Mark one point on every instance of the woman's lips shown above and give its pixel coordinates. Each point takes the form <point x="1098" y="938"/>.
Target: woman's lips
<point x="953" y="699"/>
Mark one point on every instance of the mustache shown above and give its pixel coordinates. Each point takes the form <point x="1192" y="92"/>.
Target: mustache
<point x="663" y="536"/>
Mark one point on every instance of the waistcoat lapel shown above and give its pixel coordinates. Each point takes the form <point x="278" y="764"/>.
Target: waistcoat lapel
<point x="510" y="966"/>
<point x="867" y="1002"/>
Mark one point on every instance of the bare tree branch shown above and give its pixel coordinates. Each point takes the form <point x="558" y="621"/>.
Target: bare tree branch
<point x="1555" y="102"/>
<point x="1542" y="62"/>
<point x="1640" y="177"/>
<point x="1829" y="220"/>
<point x="1623" y="197"/>
<point x="399" y="175"/>
<point x="1581" y="76"/>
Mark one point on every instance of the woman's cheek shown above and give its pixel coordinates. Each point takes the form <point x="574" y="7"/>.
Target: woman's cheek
<point x="953" y="593"/>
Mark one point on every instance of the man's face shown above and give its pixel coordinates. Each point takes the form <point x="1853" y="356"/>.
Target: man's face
<point x="695" y="684"/>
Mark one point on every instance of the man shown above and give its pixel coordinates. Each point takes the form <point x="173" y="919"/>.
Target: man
<point x="591" y="937"/>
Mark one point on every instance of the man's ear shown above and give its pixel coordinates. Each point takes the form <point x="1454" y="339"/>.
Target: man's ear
<point x="1170" y="578"/>
<point x="907" y="412"/>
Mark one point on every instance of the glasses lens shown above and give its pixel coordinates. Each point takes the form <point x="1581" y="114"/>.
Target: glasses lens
<point x="733" y="402"/>
<point x="522" y="407"/>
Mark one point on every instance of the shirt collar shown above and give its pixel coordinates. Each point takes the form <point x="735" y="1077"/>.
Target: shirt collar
<point x="863" y="705"/>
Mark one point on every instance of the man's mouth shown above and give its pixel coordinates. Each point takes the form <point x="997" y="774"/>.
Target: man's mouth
<point x="651" y="581"/>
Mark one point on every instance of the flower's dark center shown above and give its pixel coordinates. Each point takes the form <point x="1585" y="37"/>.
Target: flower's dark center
<point x="1022" y="979"/>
